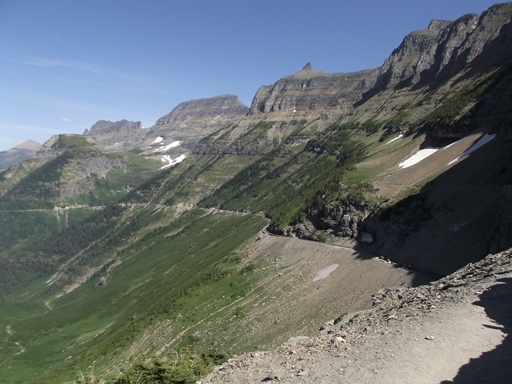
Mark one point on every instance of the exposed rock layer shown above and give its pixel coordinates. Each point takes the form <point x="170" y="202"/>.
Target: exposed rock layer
<point x="446" y="48"/>
<point x="309" y="90"/>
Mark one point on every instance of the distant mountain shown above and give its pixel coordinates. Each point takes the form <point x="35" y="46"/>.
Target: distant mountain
<point x="118" y="135"/>
<point x="103" y="127"/>
<point x="186" y="124"/>
<point x="21" y="152"/>
<point x="71" y="168"/>
<point x="192" y="120"/>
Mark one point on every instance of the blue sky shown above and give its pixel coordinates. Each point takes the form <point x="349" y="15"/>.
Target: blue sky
<point x="65" y="64"/>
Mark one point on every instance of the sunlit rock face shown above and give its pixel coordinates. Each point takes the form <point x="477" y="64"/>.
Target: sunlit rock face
<point x="313" y="91"/>
<point x="447" y="47"/>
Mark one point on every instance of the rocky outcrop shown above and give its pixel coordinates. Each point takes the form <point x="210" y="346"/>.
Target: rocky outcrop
<point x="237" y="147"/>
<point x="310" y="90"/>
<point x="446" y="48"/>
<point x="395" y="223"/>
<point x="81" y="173"/>
<point x="343" y="219"/>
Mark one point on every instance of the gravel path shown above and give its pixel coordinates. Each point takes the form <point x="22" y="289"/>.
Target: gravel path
<point x="454" y="330"/>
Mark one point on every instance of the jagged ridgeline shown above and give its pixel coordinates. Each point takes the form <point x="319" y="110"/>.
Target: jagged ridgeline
<point x="115" y="266"/>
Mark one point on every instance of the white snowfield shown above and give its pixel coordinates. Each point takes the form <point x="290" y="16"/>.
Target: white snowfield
<point x="395" y="139"/>
<point x="324" y="273"/>
<point x="171" y="162"/>
<point x="483" y="140"/>
<point x="418" y="156"/>
<point x="174" y="144"/>
<point x="426" y="152"/>
<point x="157" y="140"/>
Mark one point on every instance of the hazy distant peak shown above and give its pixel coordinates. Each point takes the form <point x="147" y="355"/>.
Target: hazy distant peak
<point x="103" y="127"/>
<point x="30" y="145"/>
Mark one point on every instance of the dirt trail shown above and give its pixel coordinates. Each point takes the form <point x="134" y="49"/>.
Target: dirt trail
<point x="455" y="330"/>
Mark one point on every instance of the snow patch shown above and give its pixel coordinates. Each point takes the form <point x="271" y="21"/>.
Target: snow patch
<point x="396" y="138"/>
<point x="449" y="145"/>
<point x="171" y="162"/>
<point x="483" y="140"/>
<point x="324" y="273"/>
<point x="157" y="140"/>
<point x="174" y="144"/>
<point x="420" y="155"/>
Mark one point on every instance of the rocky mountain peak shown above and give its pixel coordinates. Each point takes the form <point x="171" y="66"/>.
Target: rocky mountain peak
<point x="312" y="91"/>
<point x="217" y="107"/>
<point x="192" y="120"/>
<point x="437" y="25"/>
<point x="103" y="127"/>
<point x="446" y="48"/>
<point x="19" y="153"/>
<point x="307" y="67"/>
<point x="30" y="145"/>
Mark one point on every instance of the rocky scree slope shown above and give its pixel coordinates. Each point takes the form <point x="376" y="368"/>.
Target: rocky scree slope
<point x="455" y="329"/>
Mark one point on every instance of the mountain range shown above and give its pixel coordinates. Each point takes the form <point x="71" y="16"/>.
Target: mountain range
<point x="225" y="229"/>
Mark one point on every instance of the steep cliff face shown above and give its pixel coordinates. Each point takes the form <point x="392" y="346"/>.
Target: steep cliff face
<point x="446" y="48"/>
<point x="309" y="90"/>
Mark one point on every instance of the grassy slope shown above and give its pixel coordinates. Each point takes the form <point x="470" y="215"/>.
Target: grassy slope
<point x="154" y="282"/>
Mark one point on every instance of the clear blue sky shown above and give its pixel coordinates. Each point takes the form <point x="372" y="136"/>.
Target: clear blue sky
<point x="64" y="64"/>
